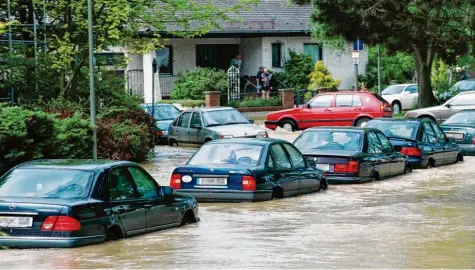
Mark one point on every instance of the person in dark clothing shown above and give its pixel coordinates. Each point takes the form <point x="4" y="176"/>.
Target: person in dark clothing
<point x="267" y="84"/>
<point x="259" y="78"/>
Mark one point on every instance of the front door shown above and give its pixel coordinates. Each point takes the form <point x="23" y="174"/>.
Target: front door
<point x="397" y="163"/>
<point x="195" y="130"/>
<point x="449" y="155"/>
<point x="125" y="202"/>
<point x="431" y="144"/>
<point x="318" y="112"/>
<point x="379" y="159"/>
<point x="308" y="180"/>
<point x="182" y="127"/>
<point x="159" y="213"/>
<point x="347" y="108"/>
<point x="282" y="171"/>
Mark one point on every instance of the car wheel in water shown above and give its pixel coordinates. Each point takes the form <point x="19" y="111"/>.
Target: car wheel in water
<point x="396" y="108"/>
<point x="187" y="218"/>
<point x="173" y="143"/>
<point x="323" y="184"/>
<point x="288" y="125"/>
<point x="277" y="193"/>
<point x="407" y="169"/>
<point x="362" y="122"/>
<point x="430" y="164"/>
<point x="459" y="158"/>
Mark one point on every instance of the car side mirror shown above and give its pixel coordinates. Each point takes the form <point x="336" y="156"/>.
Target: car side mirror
<point x="166" y="192"/>
<point x="311" y="163"/>
<point x="397" y="148"/>
<point x="405" y="93"/>
<point x="251" y="121"/>
<point x="448" y="105"/>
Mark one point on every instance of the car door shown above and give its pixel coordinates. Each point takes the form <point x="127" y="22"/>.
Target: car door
<point x="308" y="180"/>
<point x="431" y="144"/>
<point x="183" y="126"/>
<point x="159" y="213"/>
<point x="409" y="97"/>
<point x="379" y="159"/>
<point x="347" y="108"/>
<point x="318" y="112"/>
<point x="196" y="128"/>
<point x="396" y="160"/>
<point x="125" y="202"/>
<point x="283" y="172"/>
<point x="450" y="153"/>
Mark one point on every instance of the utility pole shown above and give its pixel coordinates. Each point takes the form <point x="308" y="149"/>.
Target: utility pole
<point x="92" y="95"/>
<point x="379" y="69"/>
<point x="10" y="45"/>
<point x="356" y="59"/>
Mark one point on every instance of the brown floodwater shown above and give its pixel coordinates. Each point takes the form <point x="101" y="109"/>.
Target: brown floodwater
<point x="422" y="220"/>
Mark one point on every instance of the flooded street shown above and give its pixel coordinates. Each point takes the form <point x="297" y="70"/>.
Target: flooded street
<point x="422" y="220"/>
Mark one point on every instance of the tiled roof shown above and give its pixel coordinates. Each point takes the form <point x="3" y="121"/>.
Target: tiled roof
<point x="267" y="17"/>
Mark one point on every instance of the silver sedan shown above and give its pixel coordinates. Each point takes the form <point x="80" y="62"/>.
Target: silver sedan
<point x="198" y="126"/>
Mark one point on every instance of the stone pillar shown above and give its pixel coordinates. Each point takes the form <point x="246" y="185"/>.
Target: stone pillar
<point x="287" y="97"/>
<point x="213" y="99"/>
<point x="147" y="78"/>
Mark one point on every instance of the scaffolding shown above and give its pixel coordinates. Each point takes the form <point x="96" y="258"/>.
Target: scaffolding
<point x="34" y="42"/>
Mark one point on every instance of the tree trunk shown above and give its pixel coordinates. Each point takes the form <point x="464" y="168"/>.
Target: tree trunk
<point x="423" y="59"/>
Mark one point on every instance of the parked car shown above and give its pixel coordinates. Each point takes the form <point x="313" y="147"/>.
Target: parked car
<point x="198" y="126"/>
<point x="342" y="108"/>
<point x="461" y="128"/>
<point x="422" y="140"/>
<point x="352" y="155"/>
<point x="462" y="101"/>
<point x="164" y="115"/>
<point x="69" y="203"/>
<point x="401" y="96"/>
<point x="461" y="86"/>
<point x="239" y="170"/>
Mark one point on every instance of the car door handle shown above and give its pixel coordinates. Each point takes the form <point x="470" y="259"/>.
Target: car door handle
<point x="358" y="109"/>
<point x="328" y="110"/>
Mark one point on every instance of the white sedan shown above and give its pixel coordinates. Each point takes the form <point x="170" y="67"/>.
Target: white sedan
<point x="401" y="96"/>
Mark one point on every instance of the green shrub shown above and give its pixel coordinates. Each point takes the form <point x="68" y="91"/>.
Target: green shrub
<point x="184" y="102"/>
<point x="297" y="69"/>
<point x="192" y="84"/>
<point x="74" y="137"/>
<point x="320" y="77"/>
<point x="256" y="102"/>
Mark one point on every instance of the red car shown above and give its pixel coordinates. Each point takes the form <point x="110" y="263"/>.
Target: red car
<point x="342" y="108"/>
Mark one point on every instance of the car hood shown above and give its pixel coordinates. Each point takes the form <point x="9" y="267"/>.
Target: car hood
<point x="239" y="130"/>
<point x="163" y="125"/>
<point x="288" y="111"/>
<point x="329" y="153"/>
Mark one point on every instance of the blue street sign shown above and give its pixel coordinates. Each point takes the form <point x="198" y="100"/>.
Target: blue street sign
<point x="358" y="45"/>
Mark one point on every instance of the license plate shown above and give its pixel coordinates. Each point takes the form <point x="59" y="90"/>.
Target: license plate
<point x="324" y="167"/>
<point x="16" y="222"/>
<point x="213" y="181"/>
<point x="456" y="136"/>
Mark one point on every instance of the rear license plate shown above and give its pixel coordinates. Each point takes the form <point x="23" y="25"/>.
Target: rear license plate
<point x="455" y="136"/>
<point x="213" y="181"/>
<point x="16" y="222"/>
<point x="324" y="167"/>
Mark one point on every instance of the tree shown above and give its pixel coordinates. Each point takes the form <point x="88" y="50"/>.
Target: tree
<point x="321" y="78"/>
<point x="425" y="28"/>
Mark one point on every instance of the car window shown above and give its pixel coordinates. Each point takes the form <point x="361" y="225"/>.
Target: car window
<point x="347" y="101"/>
<point x="196" y="120"/>
<point x="357" y="101"/>
<point x="223" y="117"/>
<point x="438" y="132"/>
<point x="323" y="101"/>
<point x="227" y="153"/>
<point x="270" y="160"/>
<point x="374" y="145"/>
<point x="393" y="89"/>
<point x="412" y="89"/>
<point x="298" y="161"/>
<point x="185" y="120"/>
<point x="121" y="185"/>
<point x="429" y="134"/>
<point x="177" y="121"/>
<point x="385" y="143"/>
<point x="329" y="140"/>
<point x="462" y="118"/>
<point x="281" y="159"/>
<point x="146" y="186"/>
<point x="401" y="129"/>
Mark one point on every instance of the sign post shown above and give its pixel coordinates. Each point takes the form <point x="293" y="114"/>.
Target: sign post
<point x="154" y="70"/>
<point x="357" y="47"/>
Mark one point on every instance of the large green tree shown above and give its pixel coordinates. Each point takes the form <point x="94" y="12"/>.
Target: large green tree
<point x="425" y="28"/>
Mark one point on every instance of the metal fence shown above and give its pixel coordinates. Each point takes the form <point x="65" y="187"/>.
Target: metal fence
<point x="166" y="84"/>
<point x="234" y="81"/>
<point x="135" y="82"/>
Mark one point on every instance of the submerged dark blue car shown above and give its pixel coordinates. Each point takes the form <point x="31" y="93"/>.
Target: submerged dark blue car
<point x="68" y="203"/>
<point x="423" y="141"/>
<point x="239" y="170"/>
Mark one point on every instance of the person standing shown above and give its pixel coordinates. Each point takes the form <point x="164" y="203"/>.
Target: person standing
<point x="236" y="62"/>
<point x="267" y="84"/>
<point x="259" y="78"/>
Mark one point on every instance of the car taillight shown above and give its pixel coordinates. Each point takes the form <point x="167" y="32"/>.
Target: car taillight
<point x="248" y="182"/>
<point x="352" y="166"/>
<point x="60" y="224"/>
<point x="159" y="133"/>
<point x="175" y="181"/>
<point x="473" y="140"/>
<point x="411" y="151"/>
<point x="386" y="108"/>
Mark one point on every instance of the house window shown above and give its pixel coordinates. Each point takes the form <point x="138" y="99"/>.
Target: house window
<point x="165" y="60"/>
<point x="277" y="55"/>
<point x="314" y="50"/>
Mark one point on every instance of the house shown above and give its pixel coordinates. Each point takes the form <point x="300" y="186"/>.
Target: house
<point x="263" y="36"/>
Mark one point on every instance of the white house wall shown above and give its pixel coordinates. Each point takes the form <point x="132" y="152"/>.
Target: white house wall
<point x="251" y="50"/>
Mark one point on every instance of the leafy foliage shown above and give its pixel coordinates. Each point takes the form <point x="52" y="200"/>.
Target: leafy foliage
<point x="320" y="77"/>
<point x="184" y="102"/>
<point x="74" y="137"/>
<point x="256" y="102"/>
<point x="440" y="77"/>
<point x="192" y="84"/>
<point x="297" y="69"/>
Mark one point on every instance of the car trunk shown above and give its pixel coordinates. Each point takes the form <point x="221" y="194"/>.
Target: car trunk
<point x="334" y="162"/>
<point x="459" y="134"/>
<point x="213" y="177"/>
<point x="24" y="216"/>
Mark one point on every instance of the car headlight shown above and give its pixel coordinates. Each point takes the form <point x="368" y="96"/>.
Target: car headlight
<point x="262" y="134"/>
<point x="226" y="136"/>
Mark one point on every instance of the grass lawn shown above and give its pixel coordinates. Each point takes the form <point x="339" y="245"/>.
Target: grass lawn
<point x="399" y="115"/>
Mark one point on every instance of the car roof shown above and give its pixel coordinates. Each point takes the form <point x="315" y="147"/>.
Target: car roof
<point x="253" y="141"/>
<point x="210" y="109"/>
<point x="73" y="164"/>
<point x="345" y="92"/>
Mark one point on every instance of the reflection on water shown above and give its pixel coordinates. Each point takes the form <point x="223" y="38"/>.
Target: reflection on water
<point x="422" y="220"/>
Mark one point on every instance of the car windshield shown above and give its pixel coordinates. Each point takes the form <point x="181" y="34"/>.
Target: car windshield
<point x="467" y="99"/>
<point x="240" y="154"/>
<point x="462" y="118"/>
<point x="405" y="130"/>
<point x="46" y="183"/>
<point x="330" y="140"/>
<point x="393" y="89"/>
<point x="164" y="112"/>
<point x="464" y="86"/>
<point x="223" y="117"/>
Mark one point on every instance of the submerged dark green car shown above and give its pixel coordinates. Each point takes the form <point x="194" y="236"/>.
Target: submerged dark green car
<point x="461" y="128"/>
